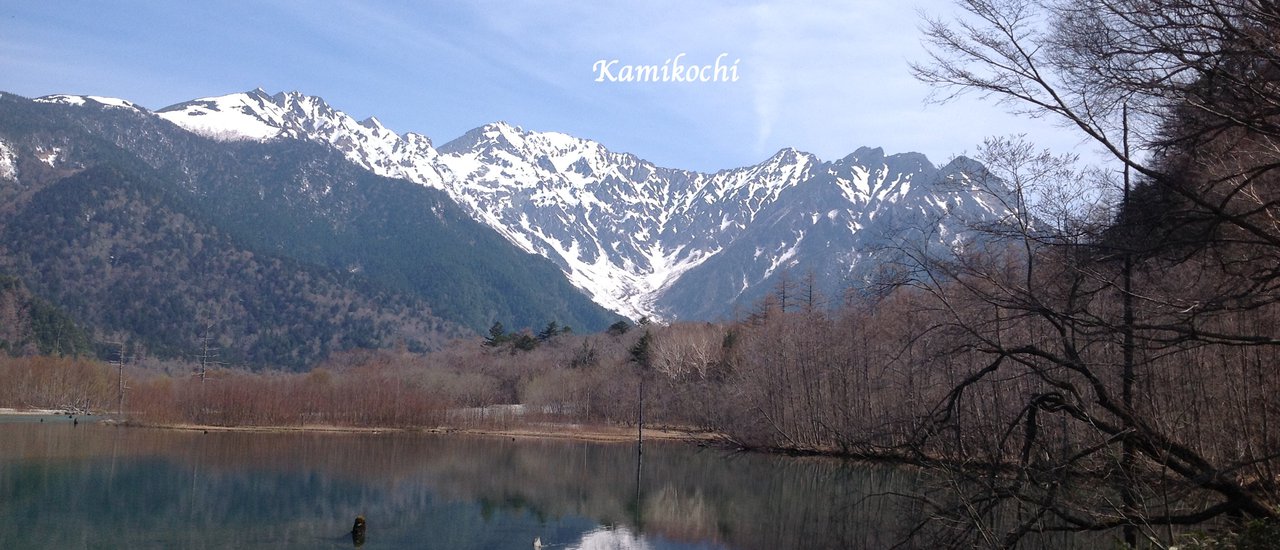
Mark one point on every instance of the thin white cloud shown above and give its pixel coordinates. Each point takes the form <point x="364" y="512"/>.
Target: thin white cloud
<point x="823" y="76"/>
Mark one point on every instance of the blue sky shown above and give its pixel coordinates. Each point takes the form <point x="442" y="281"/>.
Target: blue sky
<point x="823" y="77"/>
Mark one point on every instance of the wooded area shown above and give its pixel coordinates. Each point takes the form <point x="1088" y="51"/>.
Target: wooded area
<point x="1143" y="333"/>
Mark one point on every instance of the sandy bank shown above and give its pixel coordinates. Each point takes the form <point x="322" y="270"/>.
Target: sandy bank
<point x="33" y="412"/>
<point x="601" y="434"/>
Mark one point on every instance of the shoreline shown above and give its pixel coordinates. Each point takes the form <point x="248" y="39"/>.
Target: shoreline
<point x="578" y="432"/>
<point x="597" y="433"/>
<point x="6" y="411"/>
<point x="569" y="431"/>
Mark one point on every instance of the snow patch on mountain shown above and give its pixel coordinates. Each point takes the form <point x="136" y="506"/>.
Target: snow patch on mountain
<point x="8" y="162"/>
<point x="250" y="115"/>
<point x="89" y="100"/>
<point x="49" y="155"/>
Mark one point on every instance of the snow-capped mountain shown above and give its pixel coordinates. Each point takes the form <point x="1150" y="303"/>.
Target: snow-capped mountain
<point x="83" y="100"/>
<point x="259" y="116"/>
<point x="835" y="229"/>
<point x="638" y="238"/>
<point x="621" y="227"/>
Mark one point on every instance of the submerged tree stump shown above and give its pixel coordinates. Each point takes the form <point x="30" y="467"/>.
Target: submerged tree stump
<point x="357" y="532"/>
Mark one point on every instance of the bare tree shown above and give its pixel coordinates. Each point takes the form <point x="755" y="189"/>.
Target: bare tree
<point x="1169" y="76"/>
<point x="1183" y="94"/>
<point x="118" y="362"/>
<point x="687" y="351"/>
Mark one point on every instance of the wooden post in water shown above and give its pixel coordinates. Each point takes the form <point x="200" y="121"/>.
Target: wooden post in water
<point x="640" y="419"/>
<point x="357" y="532"/>
<point x="120" y="380"/>
<point x="639" y="497"/>
<point x="640" y="356"/>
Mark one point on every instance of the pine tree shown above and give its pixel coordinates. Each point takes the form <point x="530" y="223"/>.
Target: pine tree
<point x="619" y="328"/>
<point x="551" y="331"/>
<point x="497" y="335"/>
<point x="524" y="341"/>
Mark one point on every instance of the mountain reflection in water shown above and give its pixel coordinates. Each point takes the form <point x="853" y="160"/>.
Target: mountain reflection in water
<point x="98" y="486"/>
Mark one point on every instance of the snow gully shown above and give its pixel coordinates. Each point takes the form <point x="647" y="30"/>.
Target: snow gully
<point x="671" y="70"/>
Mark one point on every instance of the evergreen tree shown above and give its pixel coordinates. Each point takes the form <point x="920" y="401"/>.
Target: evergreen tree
<point x="497" y="335"/>
<point x="641" y="352"/>
<point x="551" y="331"/>
<point x="619" y="328"/>
<point x="524" y="341"/>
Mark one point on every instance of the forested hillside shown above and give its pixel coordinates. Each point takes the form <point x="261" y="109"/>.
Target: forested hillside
<point x="122" y="254"/>
<point x="30" y="325"/>
<point x="279" y="252"/>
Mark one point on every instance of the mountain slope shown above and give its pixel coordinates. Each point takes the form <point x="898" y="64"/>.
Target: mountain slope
<point x="638" y="238"/>
<point x="306" y="197"/>
<point x="130" y="259"/>
<point x="851" y="218"/>
<point x="621" y="228"/>
<point x="324" y="227"/>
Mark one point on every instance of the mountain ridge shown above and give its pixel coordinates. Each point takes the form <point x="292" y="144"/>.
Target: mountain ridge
<point x="622" y="229"/>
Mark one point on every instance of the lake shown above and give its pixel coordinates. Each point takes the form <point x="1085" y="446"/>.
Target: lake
<point x="93" y="485"/>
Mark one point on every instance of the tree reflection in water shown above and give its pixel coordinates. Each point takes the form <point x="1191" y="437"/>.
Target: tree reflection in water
<point x="143" y="488"/>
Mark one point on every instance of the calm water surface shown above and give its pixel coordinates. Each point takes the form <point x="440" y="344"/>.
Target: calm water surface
<point x="99" y="486"/>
